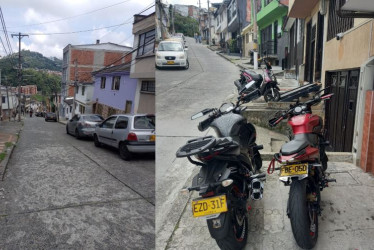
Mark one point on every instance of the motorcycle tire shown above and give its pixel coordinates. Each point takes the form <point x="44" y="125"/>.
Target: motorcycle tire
<point x="236" y="238"/>
<point x="300" y="217"/>
<point x="268" y="95"/>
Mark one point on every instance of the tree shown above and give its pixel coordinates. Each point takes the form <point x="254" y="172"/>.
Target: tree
<point x="186" y="25"/>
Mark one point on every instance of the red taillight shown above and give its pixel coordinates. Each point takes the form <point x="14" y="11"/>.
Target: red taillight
<point x="211" y="193"/>
<point x="132" y="137"/>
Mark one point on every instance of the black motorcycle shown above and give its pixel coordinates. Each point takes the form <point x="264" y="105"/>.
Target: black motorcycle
<point x="257" y="85"/>
<point x="229" y="173"/>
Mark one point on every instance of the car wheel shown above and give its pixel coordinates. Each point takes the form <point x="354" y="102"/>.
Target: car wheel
<point x="124" y="152"/>
<point x="77" y="135"/>
<point x="96" y="141"/>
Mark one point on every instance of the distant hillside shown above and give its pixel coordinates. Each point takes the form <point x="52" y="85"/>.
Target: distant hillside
<point x="32" y="63"/>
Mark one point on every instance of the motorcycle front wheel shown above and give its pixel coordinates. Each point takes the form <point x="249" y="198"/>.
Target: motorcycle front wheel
<point x="238" y="231"/>
<point x="304" y="219"/>
<point x="271" y="95"/>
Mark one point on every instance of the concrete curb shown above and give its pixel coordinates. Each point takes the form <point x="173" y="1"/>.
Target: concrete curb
<point x="228" y="59"/>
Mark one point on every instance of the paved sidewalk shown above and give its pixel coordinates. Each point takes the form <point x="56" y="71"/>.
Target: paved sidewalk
<point x="346" y="221"/>
<point x="9" y="131"/>
<point x="244" y="63"/>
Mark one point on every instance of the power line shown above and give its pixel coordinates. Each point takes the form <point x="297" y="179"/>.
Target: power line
<point x="71" y="32"/>
<point x="146" y="8"/>
<point x="65" y="18"/>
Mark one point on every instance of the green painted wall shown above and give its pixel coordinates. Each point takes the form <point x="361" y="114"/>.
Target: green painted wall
<point x="268" y="15"/>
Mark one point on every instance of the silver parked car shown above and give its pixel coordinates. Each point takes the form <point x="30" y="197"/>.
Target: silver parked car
<point x="83" y="125"/>
<point x="128" y="133"/>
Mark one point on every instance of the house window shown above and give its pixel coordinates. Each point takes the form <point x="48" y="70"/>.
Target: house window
<point x="146" y="44"/>
<point x="115" y="82"/>
<point x="336" y="24"/>
<point x="102" y="84"/>
<point x="83" y="89"/>
<point x="148" y="86"/>
<point x="82" y="109"/>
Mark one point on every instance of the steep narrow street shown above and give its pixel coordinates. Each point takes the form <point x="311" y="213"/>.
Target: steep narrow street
<point x="60" y="192"/>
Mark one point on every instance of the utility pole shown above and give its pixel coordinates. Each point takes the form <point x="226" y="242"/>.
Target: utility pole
<point x="160" y="10"/>
<point x="200" y="29"/>
<point x="20" y="35"/>
<point x="255" y="51"/>
<point x="1" y="98"/>
<point x="75" y="85"/>
<point x="7" y="97"/>
<point x="172" y="17"/>
<point x="208" y="38"/>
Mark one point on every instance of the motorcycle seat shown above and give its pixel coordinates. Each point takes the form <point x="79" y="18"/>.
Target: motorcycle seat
<point x="294" y="146"/>
<point x="256" y="77"/>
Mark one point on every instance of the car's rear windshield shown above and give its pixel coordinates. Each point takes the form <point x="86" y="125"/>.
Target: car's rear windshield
<point x="92" y="118"/>
<point x="170" y="46"/>
<point x="144" y="122"/>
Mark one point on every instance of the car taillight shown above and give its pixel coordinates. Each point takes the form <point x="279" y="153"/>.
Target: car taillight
<point x="132" y="137"/>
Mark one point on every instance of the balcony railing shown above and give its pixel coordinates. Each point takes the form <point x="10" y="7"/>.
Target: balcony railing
<point x="268" y="48"/>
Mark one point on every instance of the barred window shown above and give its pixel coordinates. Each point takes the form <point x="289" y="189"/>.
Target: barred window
<point x="336" y="24"/>
<point x="115" y="82"/>
<point x="148" y="86"/>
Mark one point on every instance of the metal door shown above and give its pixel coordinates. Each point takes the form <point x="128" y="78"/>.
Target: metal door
<point x="341" y="109"/>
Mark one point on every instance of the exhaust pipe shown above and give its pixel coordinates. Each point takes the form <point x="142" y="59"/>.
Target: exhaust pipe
<point x="257" y="189"/>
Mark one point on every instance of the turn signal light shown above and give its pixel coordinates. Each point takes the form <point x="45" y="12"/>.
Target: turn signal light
<point x="132" y="137"/>
<point x="184" y="191"/>
<point x="227" y="182"/>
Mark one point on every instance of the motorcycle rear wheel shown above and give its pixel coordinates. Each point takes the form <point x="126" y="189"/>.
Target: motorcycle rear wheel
<point x="236" y="239"/>
<point x="300" y="215"/>
<point x="269" y="97"/>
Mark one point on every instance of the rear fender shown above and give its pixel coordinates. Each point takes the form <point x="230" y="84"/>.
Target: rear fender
<point x="219" y="227"/>
<point x="209" y="174"/>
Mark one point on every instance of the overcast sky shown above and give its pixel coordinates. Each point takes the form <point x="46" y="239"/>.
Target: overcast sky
<point x="204" y="3"/>
<point x="20" y="15"/>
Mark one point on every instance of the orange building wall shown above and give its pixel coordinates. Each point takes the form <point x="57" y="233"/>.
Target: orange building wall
<point x="82" y="56"/>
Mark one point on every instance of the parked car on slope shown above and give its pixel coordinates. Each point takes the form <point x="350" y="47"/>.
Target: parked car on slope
<point x="83" y="125"/>
<point x="128" y="133"/>
<point x="50" y="116"/>
<point x="172" y="53"/>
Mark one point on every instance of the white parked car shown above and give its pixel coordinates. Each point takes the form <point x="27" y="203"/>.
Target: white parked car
<point x="172" y="53"/>
<point x="128" y="133"/>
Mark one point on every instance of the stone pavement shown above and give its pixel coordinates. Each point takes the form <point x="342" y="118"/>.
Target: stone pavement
<point x="346" y="223"/>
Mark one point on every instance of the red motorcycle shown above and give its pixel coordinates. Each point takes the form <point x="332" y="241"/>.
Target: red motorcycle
<point x="255" y="85"/>
<point x="303" y="163"/>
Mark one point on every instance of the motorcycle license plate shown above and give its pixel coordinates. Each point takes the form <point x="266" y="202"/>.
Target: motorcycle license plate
<point x="170" y="62"/>
<point x="294" y="170"/>
<point x="209" y="206"/>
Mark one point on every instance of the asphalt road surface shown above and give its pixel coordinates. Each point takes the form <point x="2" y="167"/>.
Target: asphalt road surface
<point x="64" y="193"/>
